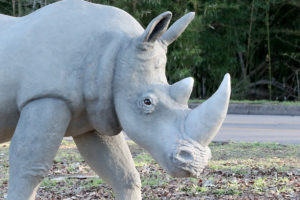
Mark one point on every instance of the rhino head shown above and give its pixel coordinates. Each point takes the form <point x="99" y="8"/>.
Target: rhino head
<point x="155" y="114"/>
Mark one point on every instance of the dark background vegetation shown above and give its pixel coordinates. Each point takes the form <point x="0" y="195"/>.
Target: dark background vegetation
<point x="256" y="41"/>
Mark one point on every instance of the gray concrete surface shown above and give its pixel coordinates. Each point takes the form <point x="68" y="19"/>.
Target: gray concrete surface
<point x="260" y="128"/>
<point x="260" y="109"/>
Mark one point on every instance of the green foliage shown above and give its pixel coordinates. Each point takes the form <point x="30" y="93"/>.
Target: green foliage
<point x="5" y="7"/>
<point x="256" y="41"/>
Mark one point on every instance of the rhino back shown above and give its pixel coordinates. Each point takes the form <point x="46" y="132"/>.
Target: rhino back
<point x="6" y="21"/>
<point x="47" y="50"/>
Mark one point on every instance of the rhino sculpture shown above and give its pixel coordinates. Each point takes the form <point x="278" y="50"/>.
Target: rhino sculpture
<point x="89" y="71"/>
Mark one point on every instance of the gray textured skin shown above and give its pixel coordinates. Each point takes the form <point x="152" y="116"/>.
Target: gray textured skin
<point x="78" y="69"/>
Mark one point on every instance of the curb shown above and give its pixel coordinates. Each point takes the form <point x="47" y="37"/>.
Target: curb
<point x="259" y="109"/>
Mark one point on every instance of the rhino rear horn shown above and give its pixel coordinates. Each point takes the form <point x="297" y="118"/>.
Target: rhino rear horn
<point x="177" y="28"/>
<point x="157" y="27"/>
<point x="181" y="90"/>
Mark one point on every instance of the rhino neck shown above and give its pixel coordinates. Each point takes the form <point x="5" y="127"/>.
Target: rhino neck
<point x="98" y="85"/>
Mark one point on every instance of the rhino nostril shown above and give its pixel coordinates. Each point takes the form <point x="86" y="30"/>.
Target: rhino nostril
<point x="186" y="156"/>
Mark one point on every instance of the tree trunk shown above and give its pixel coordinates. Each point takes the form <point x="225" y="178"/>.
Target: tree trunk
<point x="242" y="65"/>
<point x="20" y="8"/>
<point x="298" y="87"/>
<point x="14" y="7"/>
<point x="203" y="87"/>
<point x="269" y="50"/>
<point x="33" y="5"/>
<point x="248" y="60"/>
<point x="134" y="6"/>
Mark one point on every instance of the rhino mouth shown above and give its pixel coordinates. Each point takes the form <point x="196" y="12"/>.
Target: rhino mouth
<point x="190" y="157"/>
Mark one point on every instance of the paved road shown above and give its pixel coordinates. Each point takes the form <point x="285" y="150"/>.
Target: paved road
<point x="260" y="128"/>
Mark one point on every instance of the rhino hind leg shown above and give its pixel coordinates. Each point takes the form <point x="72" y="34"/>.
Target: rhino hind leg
<point x="41" y="127"/>
<point x="110" y="158"/>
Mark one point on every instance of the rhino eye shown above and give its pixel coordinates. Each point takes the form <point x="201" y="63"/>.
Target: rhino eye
<point x="147" y="102"/>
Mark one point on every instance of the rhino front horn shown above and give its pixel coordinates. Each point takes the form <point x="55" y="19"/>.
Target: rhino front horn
<point x="204" y="122"/>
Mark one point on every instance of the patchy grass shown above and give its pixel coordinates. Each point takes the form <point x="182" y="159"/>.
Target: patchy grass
<point x="237" y="171"/>
<point x="288" y="103"/>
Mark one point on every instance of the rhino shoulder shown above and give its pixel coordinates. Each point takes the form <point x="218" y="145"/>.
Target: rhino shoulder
<point x="6" y="21"/>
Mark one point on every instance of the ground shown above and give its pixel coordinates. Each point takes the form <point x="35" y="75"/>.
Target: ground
<point x="236" y="171"/>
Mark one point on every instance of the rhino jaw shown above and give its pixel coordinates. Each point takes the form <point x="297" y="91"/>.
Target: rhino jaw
<point x="204" y="122"/>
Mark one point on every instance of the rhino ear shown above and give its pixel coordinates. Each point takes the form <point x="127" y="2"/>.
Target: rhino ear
<point x="177" y="28"/>
<point x="157" y="27"/>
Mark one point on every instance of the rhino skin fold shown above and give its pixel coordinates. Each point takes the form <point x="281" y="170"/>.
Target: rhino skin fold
<point x="74" y="68"/>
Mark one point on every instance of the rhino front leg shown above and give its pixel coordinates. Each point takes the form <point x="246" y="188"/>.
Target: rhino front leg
<point x="110" y="158"/>
<point x="39" y="132"/>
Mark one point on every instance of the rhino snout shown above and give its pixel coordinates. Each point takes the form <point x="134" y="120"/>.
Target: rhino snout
<point x="190" y="158"/>
<point x="185" y="156"/>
